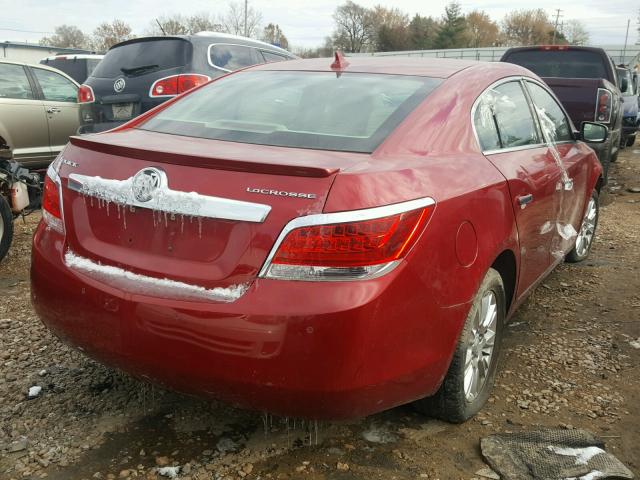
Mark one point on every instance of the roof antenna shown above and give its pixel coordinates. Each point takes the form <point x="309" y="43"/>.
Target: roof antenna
<point x="340" y="62"/>
<point x="162" y="29"/>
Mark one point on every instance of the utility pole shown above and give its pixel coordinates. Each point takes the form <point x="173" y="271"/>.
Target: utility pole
<point x="626" y="38"/>
<point x="555" y="27"/>
<point x="246" y="33"/>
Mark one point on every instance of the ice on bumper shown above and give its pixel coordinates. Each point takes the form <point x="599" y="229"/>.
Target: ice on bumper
<point x="152" y="286"/>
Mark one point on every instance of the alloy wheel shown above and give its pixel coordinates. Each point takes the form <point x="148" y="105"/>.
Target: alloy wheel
<point x="479" y="353"/>
<point x="588" y="228"/>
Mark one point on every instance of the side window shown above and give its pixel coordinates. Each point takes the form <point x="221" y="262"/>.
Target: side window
<point x="233" y="57"/>
<point x="516" y="127"/>
<point x="554" y="123"/>
<point x="14" y="82"/>
<point x="55" y="87"/>
<point x="271" y="57"/>
<point x="485" y="123"/>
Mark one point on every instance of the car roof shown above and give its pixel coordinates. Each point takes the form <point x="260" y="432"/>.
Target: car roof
<point x="418" y="66"/>
<point x="209" y="38"/>
<point x="552" y="48"/>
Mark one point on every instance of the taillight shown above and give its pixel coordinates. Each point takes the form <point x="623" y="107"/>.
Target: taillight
<point x="51" y="201"/>
<point x="176" y="84"/>
<point x="354" y="245"/>
<point x="603" y="108"/>
<point x="554" y="47"/>
<point x="85" y="94"/>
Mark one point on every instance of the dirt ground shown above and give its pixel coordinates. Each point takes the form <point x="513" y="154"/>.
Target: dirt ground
<point x="569" y="361"/>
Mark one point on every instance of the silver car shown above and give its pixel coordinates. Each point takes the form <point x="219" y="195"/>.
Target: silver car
<point x="38" y="111"/>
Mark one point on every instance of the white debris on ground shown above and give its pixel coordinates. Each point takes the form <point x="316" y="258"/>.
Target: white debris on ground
<point x="226" y="445"/>
<point x="583" y="455"/>
<point x="171" y="472"/>
<point x="145" y="285"/>
<point x="34" y="391"/>
<point x="379" y="434"/>
<point x="635" y="343"/>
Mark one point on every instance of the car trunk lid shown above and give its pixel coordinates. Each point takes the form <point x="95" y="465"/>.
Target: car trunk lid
<point x="221" y="210"/>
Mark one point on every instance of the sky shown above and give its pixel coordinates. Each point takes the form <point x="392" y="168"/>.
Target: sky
<point x="305" y="23"/>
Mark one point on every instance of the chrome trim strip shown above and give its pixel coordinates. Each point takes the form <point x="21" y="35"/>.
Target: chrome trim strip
<point x="343" y="217"/>
<point x="165" y="199"/>
<point x="336" y="274"/>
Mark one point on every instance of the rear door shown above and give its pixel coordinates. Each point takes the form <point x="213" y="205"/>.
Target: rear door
<point x="510" y="139"/>
<point x="59" y="96"/>
<point x="23" y="123"/>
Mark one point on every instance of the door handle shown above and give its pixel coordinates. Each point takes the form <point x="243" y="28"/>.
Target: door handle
<point x="53" y="110"/>
<point x="524" y="200"/>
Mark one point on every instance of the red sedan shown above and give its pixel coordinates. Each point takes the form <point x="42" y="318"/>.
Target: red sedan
<point x="318" y="239"/>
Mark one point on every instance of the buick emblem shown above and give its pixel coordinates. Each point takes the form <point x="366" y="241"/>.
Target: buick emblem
<point x="119" y="85"/>
<point x="145" y="183"/>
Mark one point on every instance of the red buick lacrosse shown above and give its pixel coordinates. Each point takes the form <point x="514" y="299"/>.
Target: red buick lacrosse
<point x="322" y="238"/>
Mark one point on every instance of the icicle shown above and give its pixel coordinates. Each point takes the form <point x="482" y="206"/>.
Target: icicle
<point x="181" y="223"/>
<point x="165" y="220"/>
<point x="108" y="203"/>
<point x="199" y="227"/>
<point x="124" y="217"/>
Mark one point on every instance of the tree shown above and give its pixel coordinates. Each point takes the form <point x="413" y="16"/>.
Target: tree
<point x="452" y="28"/>
<point x="174" y="24"/>
<point x="527" y="27"/>
<point x="234" y="20"/>
<point x="481" y="30"/>
<point x="390" y="29"/>
<point x="422" y="33"/>
<point x="107" y="35"/>
<point x="273" y="34"/>
<point x="354" y="27"/>
<point x="66" y="36"/>
<point x="203" y="22"/>
<point x="576" y="33"/>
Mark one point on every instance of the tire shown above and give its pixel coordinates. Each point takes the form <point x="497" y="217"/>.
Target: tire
<point x="584" y="239"/>
<point x="6" y="227"/>
<point x="613" y="158"/>
<point x="631" y="140"/>
<point x="457" y="400"/>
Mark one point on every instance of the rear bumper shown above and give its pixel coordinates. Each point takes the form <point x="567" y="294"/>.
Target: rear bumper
<point x="338" y="350"/>
<point x="97" y="127"/>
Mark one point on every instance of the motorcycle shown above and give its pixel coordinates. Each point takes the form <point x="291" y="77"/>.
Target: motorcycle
<point x="20" y="194"/>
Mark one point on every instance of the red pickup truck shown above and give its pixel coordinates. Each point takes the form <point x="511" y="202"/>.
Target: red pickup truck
<point x="584" y="79"/>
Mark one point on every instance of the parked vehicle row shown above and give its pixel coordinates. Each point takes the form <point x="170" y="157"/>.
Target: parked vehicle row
<point x="318" y="239"/>
<point x="78" y="67"/>
<point x="631" y="103"/>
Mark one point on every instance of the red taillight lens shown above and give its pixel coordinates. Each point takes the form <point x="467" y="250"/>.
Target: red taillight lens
<point x="51" y="198"/>
<point x="603" y="109"/>
<point x="51" y="209"/>
<point x="356" y="244"/>
<point x="176" y="84"/>
<point x="85" y="94"/>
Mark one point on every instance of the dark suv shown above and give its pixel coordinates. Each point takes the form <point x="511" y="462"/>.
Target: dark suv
<point x="137" y="75"/>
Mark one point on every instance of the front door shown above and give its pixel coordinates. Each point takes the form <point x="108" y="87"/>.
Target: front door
<point x="510" y="139"/>
<point x="61" y="107"/>
<point x="556" y="130"/>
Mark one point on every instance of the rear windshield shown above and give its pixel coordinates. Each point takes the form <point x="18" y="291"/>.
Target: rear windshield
<point x="77" y="68"/>
<point x="146" y="56"/>
<point x="561" y="63"/>
<point x="319" y="110"/>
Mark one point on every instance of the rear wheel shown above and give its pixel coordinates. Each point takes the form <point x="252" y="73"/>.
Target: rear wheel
<point x="469" y="380"/>
<point x="631" y="140"/>
<point x="6" y="227"/>
<point x="585" y="236"/>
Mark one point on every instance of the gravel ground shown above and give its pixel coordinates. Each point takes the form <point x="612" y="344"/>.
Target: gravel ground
<point x="571" y="360"/>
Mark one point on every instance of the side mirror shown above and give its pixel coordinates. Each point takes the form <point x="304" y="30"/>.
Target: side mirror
<point x="593" y="132"/>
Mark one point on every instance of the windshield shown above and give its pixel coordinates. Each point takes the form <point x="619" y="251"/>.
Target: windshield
<point x="318" y="110"/>
<point x="561" y="63"/>
<point x="142" y="57"/>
